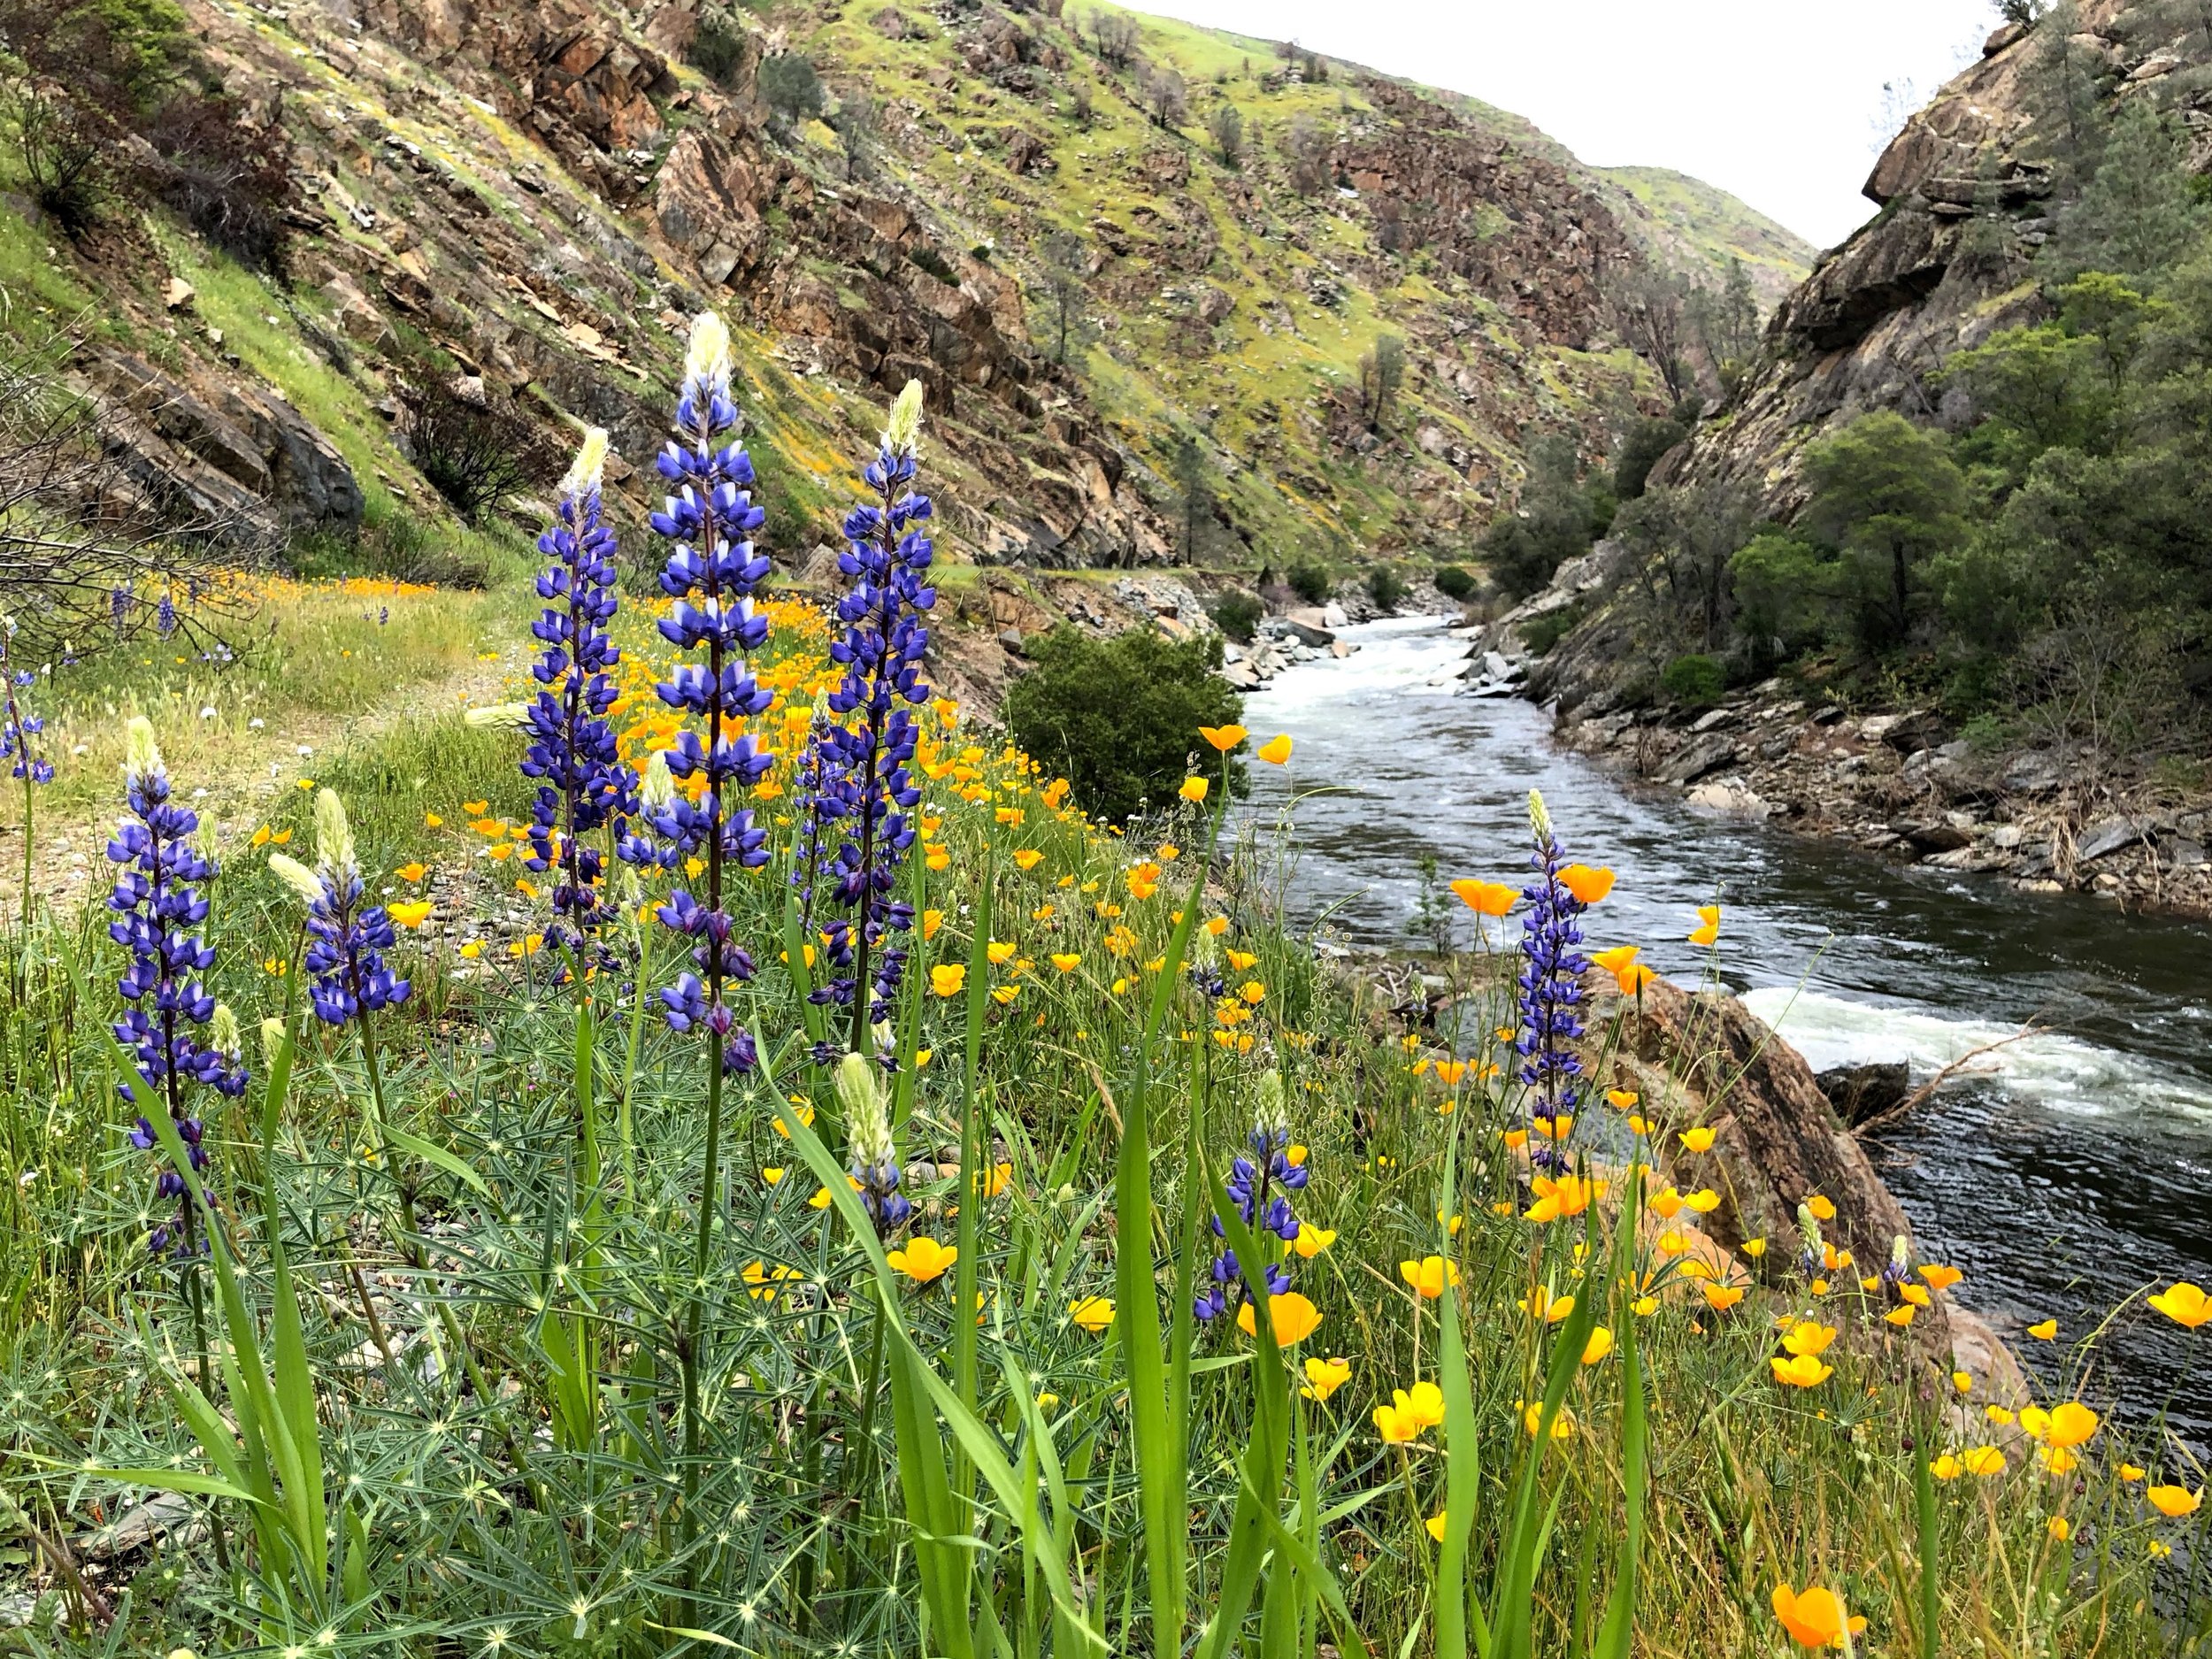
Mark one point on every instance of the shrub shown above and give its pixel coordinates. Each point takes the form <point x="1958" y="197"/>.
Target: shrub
<point x="1237" y="615"/>
<point x="1695" y="681"/>
<point x="230" y="182"/>
<point x="472" y="454"/>
<point x="1385" y="587"/>
<point x="718" y="50"/>
<point x="60" y="150"/>
<point x="1118" y="717"/>
<point x="1540" y="634"/>
<point x="1454" y="581"/>
<point x="1311" y="582"/>
<point x="790" y="87"/>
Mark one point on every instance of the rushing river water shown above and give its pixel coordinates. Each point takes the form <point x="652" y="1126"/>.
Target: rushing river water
<point x="2078" y="1170"/>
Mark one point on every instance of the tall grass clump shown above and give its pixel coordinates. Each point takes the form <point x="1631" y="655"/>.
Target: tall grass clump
<point x="767" y="1174"/>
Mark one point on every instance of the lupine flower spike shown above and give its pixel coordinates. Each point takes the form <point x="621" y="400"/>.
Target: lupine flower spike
<point x="1260" y="1185"/>
<point x="345" y="960"/>
<point x="710" y="574"/>
<point x="159" y="906"/>
<point x="1550" y="990"/>
<point x="874" y="1155"/>
<point x="583" y="783"/>
<point x="859" y="777"/>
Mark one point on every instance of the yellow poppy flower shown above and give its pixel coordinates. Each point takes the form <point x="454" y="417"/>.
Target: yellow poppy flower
<point x="1429" y="1276"/>
<point x="1275" y="750"/>
<point x="1291" y="1317"/>
<point x="1486" y="898"/>
<point x="1224" y="738"/>
<point x="1194" y="790"/>
<point x="948" y="979"/>
<point x="1093" y="1313"/>
<point x="1707" y="929"/>
<point x="1589" y="885"/>
<point x="412" y="871"/>
<point x="1982" y="1460"/>
<point x="1809" y="1338"/>
<point x="1823" y="1209"/>
<point x="1940" y="1278"/>
<point x="2045" y="1331"/>
<point x="1311" y="1240"/>
<point x="409" y="914"/>
<point x="1697" y="1140"/>
<point x="1720" y="1298"/>
<point x="2185" y="1303"/>
<point x="1802" y="1371"/>
<point x="1813" y="1617"/>
<point x="923" y="1259"/>
<point x="1325" y="1377"/>
<point x="1598" y="1346"/>
<point x="2175" y="1501"/>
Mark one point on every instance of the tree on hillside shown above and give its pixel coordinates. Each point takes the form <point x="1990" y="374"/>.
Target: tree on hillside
<point x="1165" y="96"/>
<point x="1066" y="259"/>
<point x="1647" y="439"/>
<point x="1887" y="495"/>
<point x="2138" y="212"/>
<point x="1306" y="147"/>
<point x="1648" y="310"/>
<point x="1192" y="469"/>
<point x="789" y="87"/>
<point x="1114" y="37"/>
<point x="1556" y="521"/>
<point x="1685" y="540"/>
<point x="1382" y="372"/>
<point x="1225" y="126"/>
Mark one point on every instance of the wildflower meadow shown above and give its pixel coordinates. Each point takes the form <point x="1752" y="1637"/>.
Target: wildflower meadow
<point x="870" y="1206"/>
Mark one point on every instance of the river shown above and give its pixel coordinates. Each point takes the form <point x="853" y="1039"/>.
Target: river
<point x="2078" y="1170"/>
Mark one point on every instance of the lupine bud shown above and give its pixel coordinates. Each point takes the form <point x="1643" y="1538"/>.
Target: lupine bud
<point x="867" y="1124"/>
<point x="222" y="1032"/>
<point x="272" y="1040"/>
<point x="707" y="361"/>
<point x="904" y="427"/>
<point x="334" y="837"/>
<point x="296" y="876"/>
<point x="591" y="461"/>
<point x="142" y="756"/>
<point x="658" y="791"/>
<point x="1539" y="815"/>
<point x="507" y="716"/>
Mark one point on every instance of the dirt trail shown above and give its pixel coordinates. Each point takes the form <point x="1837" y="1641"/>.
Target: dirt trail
<point x="70" y="850"/>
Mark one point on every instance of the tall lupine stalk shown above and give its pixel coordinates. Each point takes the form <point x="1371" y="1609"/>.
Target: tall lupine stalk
<point x="17" y="727"/>
<point x="158" y="907"/>
<point x="1550" y="990"/>
<point x="710" y="519"/>
<point x="862" y="777"/>
<point x="583" y="785"/>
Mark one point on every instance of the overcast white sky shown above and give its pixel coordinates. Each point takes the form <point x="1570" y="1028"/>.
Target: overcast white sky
<point x="1777" y="100"/>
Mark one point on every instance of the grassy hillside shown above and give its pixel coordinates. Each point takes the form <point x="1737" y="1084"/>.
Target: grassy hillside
<point x="1691" y="223"/>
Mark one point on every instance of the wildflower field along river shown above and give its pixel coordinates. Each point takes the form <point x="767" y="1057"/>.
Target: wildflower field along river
<point x="2075" y="1168"/>
<point x="868" y="1207"/>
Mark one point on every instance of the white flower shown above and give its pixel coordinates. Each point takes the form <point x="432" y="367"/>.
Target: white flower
<point x="304" y="751"/>
<point x="26" y="1177"/>
<point x="255" y="724"/>
<point x="208" y="713"/>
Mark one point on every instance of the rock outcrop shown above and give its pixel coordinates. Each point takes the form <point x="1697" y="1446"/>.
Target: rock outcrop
<point x="1964" y="194"/>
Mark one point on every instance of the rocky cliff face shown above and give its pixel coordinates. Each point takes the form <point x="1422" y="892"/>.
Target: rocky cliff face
<point x="530" y="201"/>
<point x="1964" y="196"/>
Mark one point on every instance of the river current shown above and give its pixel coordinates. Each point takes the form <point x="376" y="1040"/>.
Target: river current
<point x="2075" y="1168"/>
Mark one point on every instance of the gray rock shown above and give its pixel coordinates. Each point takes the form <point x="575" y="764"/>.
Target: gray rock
<point x="1711" y="718"/>
<point x="1309" y="627"/>
<point x="2108" y="836"/>
<point x="1932" y="838"/>
<point x="1011" y="640"/>
<point x="1693" y="761"/>
<point x="2182" y="853"/>
<point x="2038" y="771"/>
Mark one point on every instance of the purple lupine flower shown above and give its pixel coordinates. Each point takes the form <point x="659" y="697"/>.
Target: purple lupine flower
<point x="158" y="908"/>
<point x="1550" y="990"/>
<point x="583" y="783"/>
<point x="872" y="1153"/>
<point x="711" y="573"/>
<point x="166" y="616"/>
<point x="119" y="605"/>
<point x="1260" y="1185"/>
<point x="345" y="961"/>
<point x="821" y="802"/>
<point x="18" y="725"/>
<point x="862" y="780"/>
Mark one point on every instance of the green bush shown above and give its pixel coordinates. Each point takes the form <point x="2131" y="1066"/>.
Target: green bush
<point x="1119" y="717"/>
<point x="1695" y="681"/>
<point x="1385" y="587"/>
<point x="1311" y="583"/>
<point x="1540" y="634"/>
<point x="1237" y="614"/>
<point x="1455" y="581"/>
